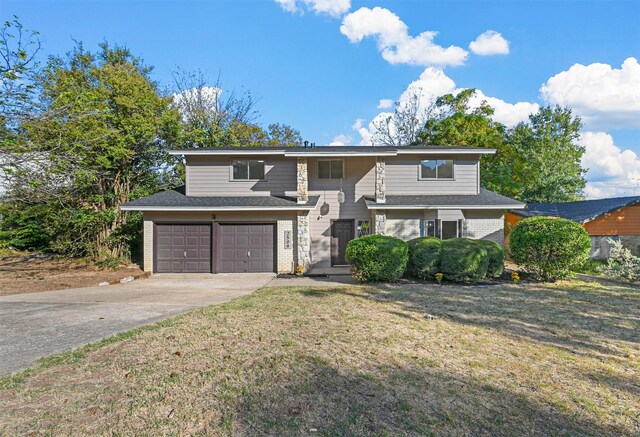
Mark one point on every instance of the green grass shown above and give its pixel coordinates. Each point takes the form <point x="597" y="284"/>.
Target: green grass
<point x="354" y="360"/>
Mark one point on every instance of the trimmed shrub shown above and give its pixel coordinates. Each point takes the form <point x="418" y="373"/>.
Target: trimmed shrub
<point x="424" y="257"/>
<point x="496" y="257"/>
<point x="377" y="258"/>
<point x="463" y="260"/>
<point x="550" y="248"/>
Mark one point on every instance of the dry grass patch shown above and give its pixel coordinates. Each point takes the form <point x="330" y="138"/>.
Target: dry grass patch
<point x="388" y="360"/>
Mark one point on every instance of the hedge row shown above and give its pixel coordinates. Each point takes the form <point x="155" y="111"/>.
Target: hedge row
<point x="382" y="258"/>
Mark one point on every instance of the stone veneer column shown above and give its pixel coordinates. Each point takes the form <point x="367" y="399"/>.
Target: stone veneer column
<point x="304" y="241"/>
<point x="380" y="221"/>
<point x="303" y="180"/>
<point x="380" y="176"/>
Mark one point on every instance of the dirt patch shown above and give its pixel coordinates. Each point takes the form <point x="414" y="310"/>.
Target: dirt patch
<point x="29" y="275"/>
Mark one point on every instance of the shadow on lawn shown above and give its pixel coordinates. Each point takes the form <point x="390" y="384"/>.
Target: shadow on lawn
<point x="395" y="401"/>
<point x="577" y="319"/>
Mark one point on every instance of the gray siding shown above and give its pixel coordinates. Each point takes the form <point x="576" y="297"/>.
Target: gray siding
<point x="211" y="176"/>
<point x="402" y="176"/>
<point x="359" y="181"/>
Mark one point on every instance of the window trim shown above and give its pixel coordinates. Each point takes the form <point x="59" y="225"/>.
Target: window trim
<point x="437" y="228"/>
<point x="329" y="160"/>
<point x="232" y="179"/>
<point x="453" y="170"/>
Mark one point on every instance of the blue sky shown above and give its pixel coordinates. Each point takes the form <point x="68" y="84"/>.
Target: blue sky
<point x="319" y="65"/>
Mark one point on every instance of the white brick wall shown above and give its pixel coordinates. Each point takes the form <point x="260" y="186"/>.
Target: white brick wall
<point x="285" y="254"/>
<point x="486" y="228"/>
<point x="148" y="245"/>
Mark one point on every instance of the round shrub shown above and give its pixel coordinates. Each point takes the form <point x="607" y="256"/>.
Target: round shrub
<point x="496" y="257"/>
<point x="463" y="260"/>
<point x="424" y="257"/>
<point x="550" y="248"/>
<point x="377" y="258"/>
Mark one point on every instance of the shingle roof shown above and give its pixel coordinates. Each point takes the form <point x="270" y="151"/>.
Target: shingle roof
<point x="175" y="199"/>
<point x="580" y="211"/>
<point x="485" y="198"/>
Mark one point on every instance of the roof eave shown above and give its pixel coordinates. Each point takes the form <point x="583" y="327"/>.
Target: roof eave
<point x="385" y="206"/>
<point x="218" y="208"/>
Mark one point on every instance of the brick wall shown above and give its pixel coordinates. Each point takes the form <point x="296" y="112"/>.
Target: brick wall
<point x="148" y="245"/>
<point x="285" y="245"/>
<point x="486" y="228"/>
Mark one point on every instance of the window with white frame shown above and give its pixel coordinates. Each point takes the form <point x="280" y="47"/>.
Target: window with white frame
<point x="247" y="170"/>
<point x="427" y="228"/>
<point x="330" y="169"/>
<point x="436" y="169"/>
<point x="363" y="228"/>
<point x="443" y="229"/>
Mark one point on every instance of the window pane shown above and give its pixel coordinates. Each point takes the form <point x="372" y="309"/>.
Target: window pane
<point x="428" y="169"/>
<point x="324" y="169"/>
<point x="336" y="169"/>
<point x="364" y="228"/>
<point x="449" y="229"/>
<point x="256" y="169"/>
<point x="240" y="170"/>
<point x="445" y="169"/>
<point x="430" y="230"/>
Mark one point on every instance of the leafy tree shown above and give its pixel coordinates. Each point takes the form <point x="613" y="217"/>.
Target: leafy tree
<point x="538" y="161"/>
<point x="104" y="144"/>
<point x="549" y="155"/>
<point x="18" y="67"/>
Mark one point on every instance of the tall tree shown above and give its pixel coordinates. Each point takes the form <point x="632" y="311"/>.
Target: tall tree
<point x="550" y="156"/>
<point x="402" y="126"/>
<point x="105" y="145"/>
<point x="212" y="117"/>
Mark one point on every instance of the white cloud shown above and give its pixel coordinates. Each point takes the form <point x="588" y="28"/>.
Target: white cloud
<point x="385" y="103"/>
<point x="365" y="136"/>
<point x="334" y="8"/>
<point x="611" y="170"/>
<point x="394" y="42"/>
<point x="604" y="97"/>
<point x="288" y="5"/>
<point x="509" y="114"/>
<point x="489" y="43"/>
<point x="341" y="140"/>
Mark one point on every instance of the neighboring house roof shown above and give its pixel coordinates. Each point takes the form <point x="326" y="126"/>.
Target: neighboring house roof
<point x="334" y="150"/>
<point x="581" y="211"/>
<point x="175" y="200"/>
<point x="484" y="200"/>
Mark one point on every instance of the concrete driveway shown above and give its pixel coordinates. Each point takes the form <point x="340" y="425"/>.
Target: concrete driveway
<point x="35" y="325"/>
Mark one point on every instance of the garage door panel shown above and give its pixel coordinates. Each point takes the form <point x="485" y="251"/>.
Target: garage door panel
<point x="246" y="248"/>
<point x="183" y="248"/>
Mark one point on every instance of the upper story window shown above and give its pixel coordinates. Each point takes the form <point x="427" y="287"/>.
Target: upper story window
<point x="330" y="169"/>
<point x="436" y="169"/>
<point x="247" y="170"/>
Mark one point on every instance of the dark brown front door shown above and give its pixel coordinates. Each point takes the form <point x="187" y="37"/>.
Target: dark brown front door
<point x="341" y="234"/>
<point x="184" y="248"/>
<point x="246" y="248"/>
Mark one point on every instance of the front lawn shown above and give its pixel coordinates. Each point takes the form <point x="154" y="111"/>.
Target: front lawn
<point x="387" y="360"/>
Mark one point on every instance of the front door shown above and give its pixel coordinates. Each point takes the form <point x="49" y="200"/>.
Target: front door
<point x="341" y="234"/>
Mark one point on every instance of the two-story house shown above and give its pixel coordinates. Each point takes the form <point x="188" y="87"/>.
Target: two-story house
<point x="274" y="209"/>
